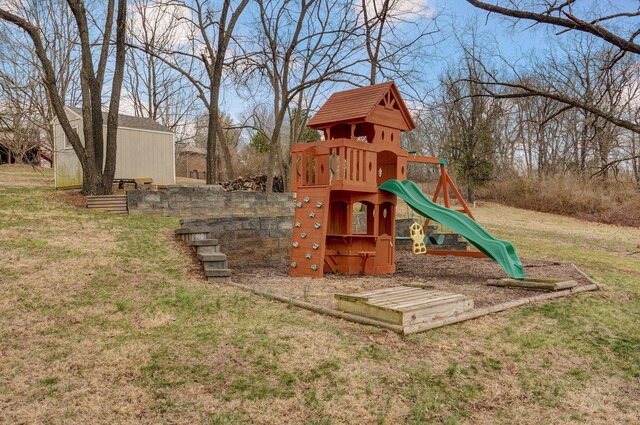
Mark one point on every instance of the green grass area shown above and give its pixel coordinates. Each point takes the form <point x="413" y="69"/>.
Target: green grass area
<point x="103" y="318"/>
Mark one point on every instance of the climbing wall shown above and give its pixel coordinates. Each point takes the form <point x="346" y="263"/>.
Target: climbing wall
<point x="309" y="231"/>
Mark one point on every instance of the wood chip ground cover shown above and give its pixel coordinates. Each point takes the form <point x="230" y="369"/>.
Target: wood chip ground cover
<point x="106" y="319"/>
<point x="467" y="276"/>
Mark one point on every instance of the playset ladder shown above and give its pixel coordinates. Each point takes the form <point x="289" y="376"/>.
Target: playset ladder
<point x="310" y="224"/>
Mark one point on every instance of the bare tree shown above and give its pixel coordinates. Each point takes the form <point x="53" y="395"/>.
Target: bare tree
<point x="301" y="46"/>
<point x="617" y="27"/>
<point x="22" y="89"/>
<point x="561" y="15"/>
<point x="471" y="127"/>
<point x="395" y="34"/>
<point x="97" y="178"/>
<point x="203" y="59"/>
<point x="156" y="90"/>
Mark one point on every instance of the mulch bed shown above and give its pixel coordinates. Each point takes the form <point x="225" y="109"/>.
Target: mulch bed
<point x="459" y="275"/>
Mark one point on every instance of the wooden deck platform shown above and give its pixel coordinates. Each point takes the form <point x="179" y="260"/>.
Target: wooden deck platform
<point x="404" y="305"/>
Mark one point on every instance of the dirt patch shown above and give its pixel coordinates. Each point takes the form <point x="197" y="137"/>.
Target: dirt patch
<point x="459" y="275"/>
<point x="73" y="197"/>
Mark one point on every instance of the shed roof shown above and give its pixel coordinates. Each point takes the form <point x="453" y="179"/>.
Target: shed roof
<point x="130" y="121"/>
<point x="194" y="150"/>
<point x="357" y="104"/>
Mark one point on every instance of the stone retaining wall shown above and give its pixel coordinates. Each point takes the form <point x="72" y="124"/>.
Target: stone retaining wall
<point x="249" y="239"/>
<point x="208" y="202"/>
<point x="250" y="226"/>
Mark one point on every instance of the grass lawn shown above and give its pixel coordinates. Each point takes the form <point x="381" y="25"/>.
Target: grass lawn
<point x="104" y="319"/>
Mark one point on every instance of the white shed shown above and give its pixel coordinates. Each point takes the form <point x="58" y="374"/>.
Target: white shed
<point x="146" y="149"/>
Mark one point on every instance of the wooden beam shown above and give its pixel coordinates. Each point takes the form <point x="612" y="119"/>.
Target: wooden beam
<point x="319" y="309"/>
<point x="475" y="254"/>
<point x="544" y="284"/>
<point x="423" y="159"/>
<point x="421" y="327"/>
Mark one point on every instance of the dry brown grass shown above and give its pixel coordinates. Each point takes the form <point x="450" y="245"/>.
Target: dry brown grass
<point x="104" y="319"/>
<point x="616" y="203"/>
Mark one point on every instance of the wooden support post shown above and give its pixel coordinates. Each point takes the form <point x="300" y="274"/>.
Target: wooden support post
<point x="465" y="207"/>
<point x="445" y="188"/>
<point x="436" y="194"/>
<point x="376" y="220"/>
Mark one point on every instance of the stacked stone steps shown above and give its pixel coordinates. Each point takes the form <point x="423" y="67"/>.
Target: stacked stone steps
<point x="215" y="264"/>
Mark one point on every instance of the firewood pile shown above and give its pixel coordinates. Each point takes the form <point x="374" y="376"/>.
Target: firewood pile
<point x="252" y="184"/>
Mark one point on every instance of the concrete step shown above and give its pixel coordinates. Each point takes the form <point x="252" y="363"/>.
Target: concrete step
<point x="218" y="256"/>
<point x="195" y="229"/>
<point x="217" y="273"/>
<point x="215" y="265"/>
<point x="221" y="279"/>
<point x="205" y="242"/>
<point x="207" y="250"/>
<point x="190" y="236"/>
<point x="206" y="246"/>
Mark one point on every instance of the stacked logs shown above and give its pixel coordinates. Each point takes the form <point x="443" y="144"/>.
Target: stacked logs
<point x="252" y="184"/>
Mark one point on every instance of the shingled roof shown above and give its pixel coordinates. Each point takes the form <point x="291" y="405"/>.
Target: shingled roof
<point x="357" y="104"/>
<point x="193" y="150"/>
<point x="130" y="121"/>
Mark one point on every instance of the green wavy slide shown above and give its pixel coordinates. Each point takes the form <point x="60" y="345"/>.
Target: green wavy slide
<point x="502" y="251"/>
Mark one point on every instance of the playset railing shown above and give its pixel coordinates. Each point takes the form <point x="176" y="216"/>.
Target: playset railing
<point x="334" y="162"/>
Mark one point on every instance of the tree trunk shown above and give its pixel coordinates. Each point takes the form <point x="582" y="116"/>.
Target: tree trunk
<point x="471" y="193"/>
<point x="90" y="154"/>
<point x="274" y="151"/>
<point x="212" y="140"/>
<point x="109" y="170"/>
<point x="226" y="153"/>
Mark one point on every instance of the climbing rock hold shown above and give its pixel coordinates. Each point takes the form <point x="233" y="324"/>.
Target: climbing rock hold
<point x="312" y="214"/>
<point x="297" y="224"/>
<point x="317" y="225"/>
<point x="299" y="204"/>
<point x="294" y="264"/>
<point x="303" y="235"/>
<point x="318" y="204"/>
<point x="307" y="256"/>
<point x="315" y="246"/>
<point x="306" y="199"/>
<point x="296" y="244"/>
<point x="314" y="267"/>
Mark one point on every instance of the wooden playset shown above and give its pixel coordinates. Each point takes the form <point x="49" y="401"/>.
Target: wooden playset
<point x="360" y="151"/>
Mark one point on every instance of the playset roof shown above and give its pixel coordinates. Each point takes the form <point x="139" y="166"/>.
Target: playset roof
<point x="357" y="105"/>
